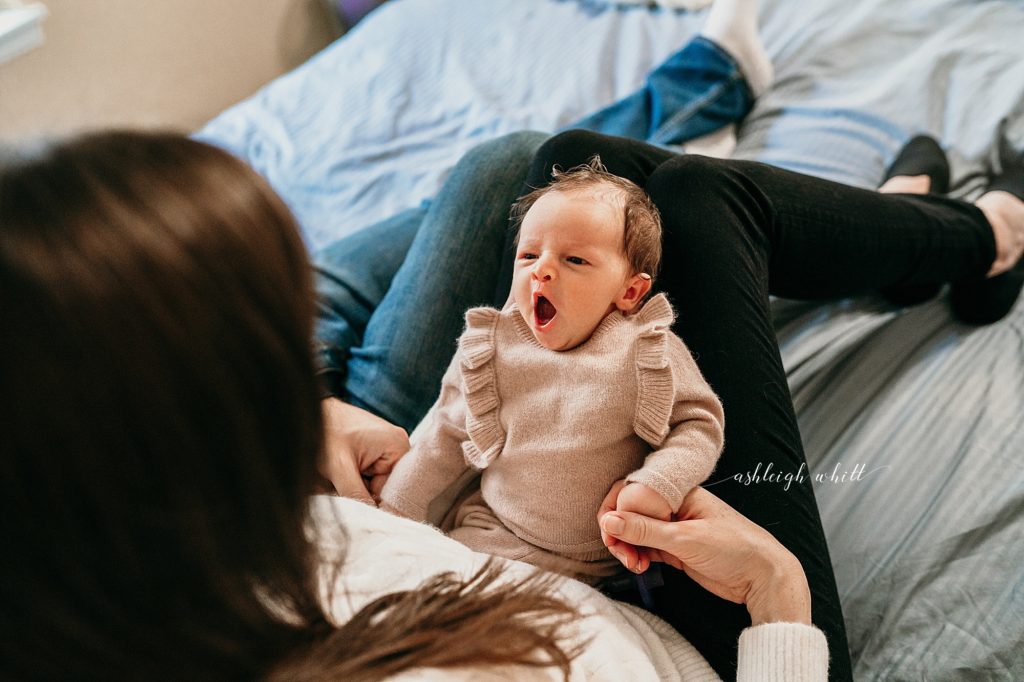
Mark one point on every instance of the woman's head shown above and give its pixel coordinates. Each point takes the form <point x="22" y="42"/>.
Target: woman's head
<point x="159" y="435"/>
<point x="587" y="244"/>
<point x="160" y="404"/>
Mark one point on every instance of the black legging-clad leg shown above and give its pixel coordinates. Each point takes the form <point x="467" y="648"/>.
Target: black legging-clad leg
<point x="735" y="232"/>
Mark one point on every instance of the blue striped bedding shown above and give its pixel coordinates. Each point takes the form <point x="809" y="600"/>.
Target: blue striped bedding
<point x="927" y="539"/>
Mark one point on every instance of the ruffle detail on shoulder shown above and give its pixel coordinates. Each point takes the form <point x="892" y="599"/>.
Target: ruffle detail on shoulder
<point x="476" y="347"/>
<point x="657" y="311"/>
<point x="655" y="386"/>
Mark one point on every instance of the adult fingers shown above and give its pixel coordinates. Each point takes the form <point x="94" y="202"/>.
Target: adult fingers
<point x="383" y="465"/>
<point x="627" y="554"/>
<point x="609" y="501"/>
<point x="343" y="472"/>
<point x="377" y="447"/>
<point x="643" y="559"/>
<point x="376" y="485"/>
<point x="637" y="529"/>
<point x="608" y="504"/>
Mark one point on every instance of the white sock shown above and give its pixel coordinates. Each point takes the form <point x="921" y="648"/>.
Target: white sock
<point x="719" y="144"/>
<point x="732" y="25"/>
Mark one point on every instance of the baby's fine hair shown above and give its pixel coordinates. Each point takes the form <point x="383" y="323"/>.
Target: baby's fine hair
<point x="642" y="233"/>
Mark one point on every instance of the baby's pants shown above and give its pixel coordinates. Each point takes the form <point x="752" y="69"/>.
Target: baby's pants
<point x="477" y="527"/>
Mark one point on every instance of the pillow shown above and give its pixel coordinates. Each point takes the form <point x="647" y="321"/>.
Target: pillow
<point x="352" y="11"/>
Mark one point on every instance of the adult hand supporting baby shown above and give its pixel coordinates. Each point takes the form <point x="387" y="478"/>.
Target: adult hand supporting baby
<point x="638" y="499"/>
<point x="360" y="450"/>
<point x="719" y="548"/>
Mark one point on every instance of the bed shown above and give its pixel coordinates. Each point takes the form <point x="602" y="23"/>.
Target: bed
<point x="927" y="540"/>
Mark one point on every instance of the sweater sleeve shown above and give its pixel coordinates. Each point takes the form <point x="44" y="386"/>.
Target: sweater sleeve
<point x="782" y="651"/>
<point x="435" y="461"/>
<point x="686" y="455"/>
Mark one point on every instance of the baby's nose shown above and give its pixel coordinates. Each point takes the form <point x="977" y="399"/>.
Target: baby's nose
<point x="546" y="268"/>
<point x="544" y="272"/>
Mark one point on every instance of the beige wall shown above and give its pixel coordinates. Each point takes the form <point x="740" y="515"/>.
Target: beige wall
<point x="148" y="63"/>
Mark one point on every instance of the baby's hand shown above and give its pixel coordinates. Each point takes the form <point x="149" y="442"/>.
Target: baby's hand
<point x="639" y="499"/>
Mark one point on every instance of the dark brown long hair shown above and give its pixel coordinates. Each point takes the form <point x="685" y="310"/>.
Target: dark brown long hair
<point x="159" y="434"/>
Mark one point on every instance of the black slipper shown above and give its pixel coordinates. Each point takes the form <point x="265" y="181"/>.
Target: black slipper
<point x="922" y="155"/>
<point x="988" y="299"/>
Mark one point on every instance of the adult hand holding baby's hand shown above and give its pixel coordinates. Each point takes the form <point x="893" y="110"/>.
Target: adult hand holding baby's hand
<point x="634" y="498"/>
<point x="723" y="551"/>
<point x="360" y="450"/>
<point x="640" y="499"/>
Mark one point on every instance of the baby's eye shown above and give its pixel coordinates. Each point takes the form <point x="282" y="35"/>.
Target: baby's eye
<point x="527" y="256"/>
<point x="576" y="260"/>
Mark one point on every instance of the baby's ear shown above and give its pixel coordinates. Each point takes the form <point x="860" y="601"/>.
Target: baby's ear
<point x="636" y="288"/>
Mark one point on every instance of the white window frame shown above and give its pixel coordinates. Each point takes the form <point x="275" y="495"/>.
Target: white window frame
<point x="21" y="28"/>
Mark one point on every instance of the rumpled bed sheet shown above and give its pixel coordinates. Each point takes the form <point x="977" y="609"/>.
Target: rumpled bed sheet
<point x="927" y="540"/>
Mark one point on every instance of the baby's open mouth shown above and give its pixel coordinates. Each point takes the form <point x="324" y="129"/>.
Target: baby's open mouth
<point x="543" y="310"/>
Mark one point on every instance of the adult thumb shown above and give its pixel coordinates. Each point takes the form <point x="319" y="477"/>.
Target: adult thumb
<point x="636" y="529"/>
<point x="349" y="482"/>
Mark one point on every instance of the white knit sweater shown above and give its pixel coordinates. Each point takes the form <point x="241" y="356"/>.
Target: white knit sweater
<point x="385" y="553"/>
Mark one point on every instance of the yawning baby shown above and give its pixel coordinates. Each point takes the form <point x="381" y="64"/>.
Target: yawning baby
<point x="576" y="384"/>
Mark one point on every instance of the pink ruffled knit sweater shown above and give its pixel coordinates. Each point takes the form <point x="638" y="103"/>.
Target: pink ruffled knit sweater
<point x="550" y="432"/>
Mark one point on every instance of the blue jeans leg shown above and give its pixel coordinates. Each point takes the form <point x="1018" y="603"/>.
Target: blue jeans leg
<point x="696" y="91"/>
<point x="452" y="265"/>
<point x="351" y="277"/>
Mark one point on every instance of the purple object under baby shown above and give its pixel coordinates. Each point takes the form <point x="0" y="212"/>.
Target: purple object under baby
<point x="352" y="11"/>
